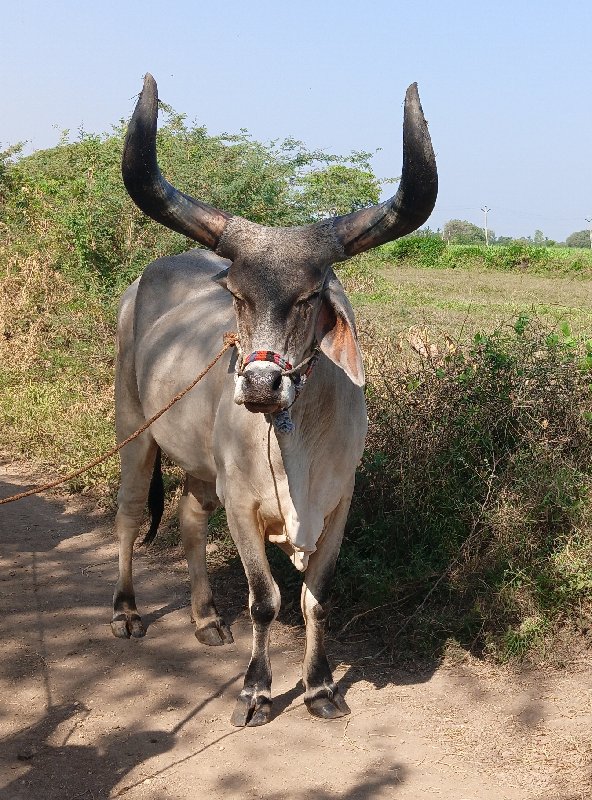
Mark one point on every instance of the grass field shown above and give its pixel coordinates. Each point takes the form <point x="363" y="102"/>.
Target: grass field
<point x="461" y="302"/>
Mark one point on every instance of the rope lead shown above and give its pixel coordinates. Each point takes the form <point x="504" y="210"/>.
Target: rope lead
<point x="230" y="340"/>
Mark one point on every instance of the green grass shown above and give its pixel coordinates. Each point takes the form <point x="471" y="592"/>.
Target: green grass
<point x="397" y="295"/>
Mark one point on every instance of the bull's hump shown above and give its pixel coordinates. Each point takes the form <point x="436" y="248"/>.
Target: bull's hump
<point x="190" y="280"/>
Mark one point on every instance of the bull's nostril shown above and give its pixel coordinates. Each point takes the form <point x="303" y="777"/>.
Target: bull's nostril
<point x="261" y="385"/>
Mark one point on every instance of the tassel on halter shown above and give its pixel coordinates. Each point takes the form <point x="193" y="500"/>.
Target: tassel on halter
<point x="282" y="420"/>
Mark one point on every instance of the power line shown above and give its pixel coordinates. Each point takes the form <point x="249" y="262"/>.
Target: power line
<point x="515" y="212"/>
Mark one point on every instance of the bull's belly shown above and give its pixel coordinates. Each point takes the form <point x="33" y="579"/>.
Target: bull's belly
<point x="189" y="452"/>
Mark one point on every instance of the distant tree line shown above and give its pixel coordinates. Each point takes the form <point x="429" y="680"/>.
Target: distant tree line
<point x="460" y="231"/>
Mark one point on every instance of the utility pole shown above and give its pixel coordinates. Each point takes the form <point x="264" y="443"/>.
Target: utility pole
<point x="589" y="221"/>
<point x="485" y="210"/>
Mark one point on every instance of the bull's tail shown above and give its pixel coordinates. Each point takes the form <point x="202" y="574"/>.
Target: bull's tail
<point x="155" y="500"/>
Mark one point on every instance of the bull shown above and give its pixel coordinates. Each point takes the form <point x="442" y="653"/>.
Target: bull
<point x="273" y="440"/>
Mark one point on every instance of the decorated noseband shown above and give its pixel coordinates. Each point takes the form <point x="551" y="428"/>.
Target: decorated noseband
<point x="268" y="355"/>
<point x="287" y="369"/>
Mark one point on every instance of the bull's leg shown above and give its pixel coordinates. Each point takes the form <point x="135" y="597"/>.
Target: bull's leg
<point x="137" y="463"/>
<point x="322" y="696"/>
<point x="194" y="506"/>
<point x="254" y="703"/>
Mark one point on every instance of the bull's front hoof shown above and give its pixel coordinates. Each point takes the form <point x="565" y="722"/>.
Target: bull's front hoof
<point x="328" y="707"/>
<point x="251" y="711"/>
<point x="214" y="634"/>
<point x="124" y="626"/>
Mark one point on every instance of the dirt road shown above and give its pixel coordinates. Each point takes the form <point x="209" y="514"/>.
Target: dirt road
<point x="85" y="716"/>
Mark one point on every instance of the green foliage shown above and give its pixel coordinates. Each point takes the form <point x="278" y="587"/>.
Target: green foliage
<point x="578" y="239"/>
<point x="432" y="252"/>
<point x="540" y="240"/>
<point x="73" y="200"/>
<point x="7" y="157"/>
<point x="426" y="250"/>
<point x="339" y="189"/>
<point x="473" y="493"/>
<point x="459" y="231"/>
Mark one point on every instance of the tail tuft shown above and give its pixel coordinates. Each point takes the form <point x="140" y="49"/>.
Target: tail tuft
<point x="155" y="500"/>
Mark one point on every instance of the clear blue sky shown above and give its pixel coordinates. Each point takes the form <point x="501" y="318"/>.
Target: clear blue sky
<point x="504" y="85"/>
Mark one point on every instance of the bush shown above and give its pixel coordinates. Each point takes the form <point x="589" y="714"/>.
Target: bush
<point x="518" y="255"/>
<point x="69" y="202"/>
<point x="432" y="252"/>
<point x="426" y="251"/>
<point x="472" y="507"/>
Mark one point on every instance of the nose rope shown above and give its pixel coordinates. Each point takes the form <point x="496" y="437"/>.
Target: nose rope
<point x="311" y="360"/>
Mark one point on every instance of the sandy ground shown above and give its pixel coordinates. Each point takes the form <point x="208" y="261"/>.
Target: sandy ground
<point x="86" y="716"/>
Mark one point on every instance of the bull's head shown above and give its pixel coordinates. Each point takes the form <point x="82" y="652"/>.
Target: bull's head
<point x="287" y="299"/>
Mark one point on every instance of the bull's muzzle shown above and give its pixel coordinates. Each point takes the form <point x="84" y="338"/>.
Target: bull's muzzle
<point x="263" y="388"/>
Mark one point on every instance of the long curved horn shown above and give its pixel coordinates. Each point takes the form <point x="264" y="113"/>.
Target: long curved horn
<point x="150" y="191"/>
<point x="416" y="195"/>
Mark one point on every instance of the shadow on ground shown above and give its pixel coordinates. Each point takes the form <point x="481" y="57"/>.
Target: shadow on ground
<point x="85" y="715"/>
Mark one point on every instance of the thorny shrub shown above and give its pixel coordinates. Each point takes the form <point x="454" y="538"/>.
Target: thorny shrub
<point x="471" y="517"/>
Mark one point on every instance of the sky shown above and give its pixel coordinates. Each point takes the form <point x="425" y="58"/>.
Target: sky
<point x="505" y="86"/>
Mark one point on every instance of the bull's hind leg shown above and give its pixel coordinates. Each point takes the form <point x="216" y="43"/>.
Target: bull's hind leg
<point x="322" y="696"/>
<point x="137" y="463"/>
<point x="198" y="501"/>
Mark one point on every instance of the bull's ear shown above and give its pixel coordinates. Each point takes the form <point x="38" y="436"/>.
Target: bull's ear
<point x="336" y="331"/>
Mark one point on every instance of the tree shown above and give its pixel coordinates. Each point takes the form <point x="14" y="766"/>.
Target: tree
<point x="540" y="240"/>
<point x="338" y="189"/>
<point x="71" y="197"/>
<point x="459" y="231"/>
<point x="578" y="239"/>
<point x="426" y="232"/>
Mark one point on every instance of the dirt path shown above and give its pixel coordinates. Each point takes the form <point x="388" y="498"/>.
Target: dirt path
<point x="84" y="716"/>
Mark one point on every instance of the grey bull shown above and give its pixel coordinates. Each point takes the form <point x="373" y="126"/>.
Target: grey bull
<point x="276" y="444"/>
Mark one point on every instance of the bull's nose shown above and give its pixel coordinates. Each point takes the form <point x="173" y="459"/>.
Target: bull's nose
<point x="262" y="387"/>
<point x="259" y="388"/>
<point x="262" y="380"/>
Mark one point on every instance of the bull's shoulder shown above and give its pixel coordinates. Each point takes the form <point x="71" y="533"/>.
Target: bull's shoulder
<point x="196" y="267"/>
